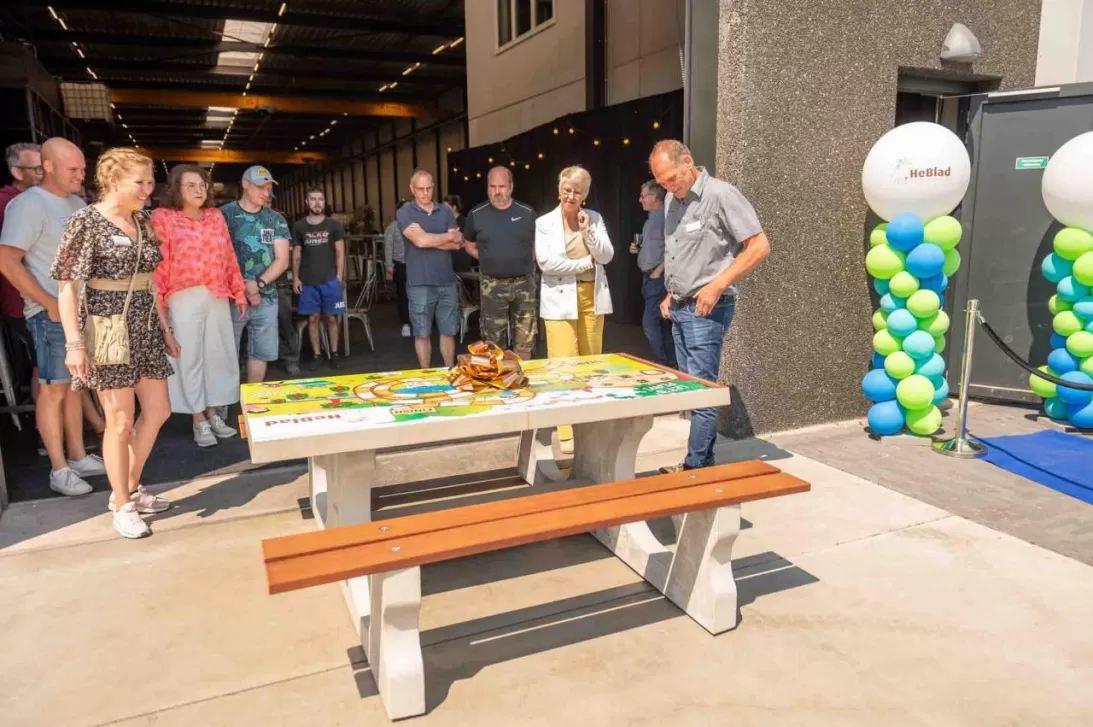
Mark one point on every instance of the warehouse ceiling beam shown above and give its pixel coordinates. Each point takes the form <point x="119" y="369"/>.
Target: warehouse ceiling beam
<point x="232" y="156"/>
<point x="254" y="102"/>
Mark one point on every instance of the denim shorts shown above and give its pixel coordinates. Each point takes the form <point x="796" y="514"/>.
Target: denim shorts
<point x="326" y="299"/>
<point x="261" y="325"/>
<point x="433" y="302"/>
<point x="49" y="348"/>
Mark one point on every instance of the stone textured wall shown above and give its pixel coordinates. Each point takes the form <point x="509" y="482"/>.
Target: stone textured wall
<point x="804" y="90"/>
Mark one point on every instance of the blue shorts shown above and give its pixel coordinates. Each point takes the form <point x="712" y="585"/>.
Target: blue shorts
<point x="49" y="348"/>
<point x="326" y="299"/>
<point x="263" y="343"/>
<point x="433" y="302"/>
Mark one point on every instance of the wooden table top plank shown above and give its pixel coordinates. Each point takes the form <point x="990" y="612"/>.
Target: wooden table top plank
<point x="292" y="546"/>
<point x="389" y="555"/>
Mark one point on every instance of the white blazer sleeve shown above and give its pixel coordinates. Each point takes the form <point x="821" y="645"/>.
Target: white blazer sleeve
<point x="599" y="244"/>
<point x="551" y="262"/>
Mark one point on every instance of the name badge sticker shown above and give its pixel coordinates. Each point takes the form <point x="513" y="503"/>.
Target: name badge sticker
<point x="693" y="226"/>
<point x="121" y="240"/>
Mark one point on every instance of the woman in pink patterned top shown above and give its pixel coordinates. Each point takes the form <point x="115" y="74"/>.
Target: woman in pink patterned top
<point x="198" y="276"/>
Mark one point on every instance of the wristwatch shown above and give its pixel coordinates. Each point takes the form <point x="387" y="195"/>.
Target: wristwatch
<point x="261" y="283"/>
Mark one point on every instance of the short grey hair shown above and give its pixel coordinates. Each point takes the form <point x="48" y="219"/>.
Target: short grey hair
<point x="651" y="187"/>
<point x="12" y="153"/>
<point x="674" y="149"/>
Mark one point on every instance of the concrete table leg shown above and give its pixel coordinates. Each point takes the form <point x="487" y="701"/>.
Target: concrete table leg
<point x="536" y="460"/>
<point x="394" y="642"/>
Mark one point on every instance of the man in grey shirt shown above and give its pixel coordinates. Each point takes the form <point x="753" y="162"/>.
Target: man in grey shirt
<point x="394" y="257"/>
<point x="34" y="223"/>
<point x="712" y="240"/>
<point x="658" y="330"/>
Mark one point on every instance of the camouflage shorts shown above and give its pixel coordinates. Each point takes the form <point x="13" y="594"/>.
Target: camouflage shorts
<point x="510" y="304"/>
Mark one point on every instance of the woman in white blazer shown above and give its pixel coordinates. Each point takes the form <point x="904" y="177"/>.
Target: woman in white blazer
<point x="572" y="246"/>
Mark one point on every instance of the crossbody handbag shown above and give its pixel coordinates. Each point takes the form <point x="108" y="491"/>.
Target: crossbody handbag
<point x="107" y="337"/>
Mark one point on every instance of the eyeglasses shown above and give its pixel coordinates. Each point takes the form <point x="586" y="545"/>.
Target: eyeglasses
<point x="195" y="186"/>
<point x="37" y="170"/>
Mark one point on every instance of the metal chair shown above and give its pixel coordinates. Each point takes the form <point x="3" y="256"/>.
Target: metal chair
<point x="359" y="310"/>
<point x="467" y="308"/>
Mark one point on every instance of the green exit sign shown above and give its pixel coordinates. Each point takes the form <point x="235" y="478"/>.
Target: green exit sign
<point x="1031" y="162"/>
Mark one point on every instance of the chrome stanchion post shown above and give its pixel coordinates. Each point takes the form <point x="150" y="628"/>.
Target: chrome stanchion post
<point x="960" y="446"/>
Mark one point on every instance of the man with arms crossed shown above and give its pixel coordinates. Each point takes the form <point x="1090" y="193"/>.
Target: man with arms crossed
<point x="432" y="234"/>
<point x="34" y="223"/>
<point x="712" y="241"/>
<point x="260" y="237"/>
<point x="318" y="268"/>
<point x="501" y="235"/>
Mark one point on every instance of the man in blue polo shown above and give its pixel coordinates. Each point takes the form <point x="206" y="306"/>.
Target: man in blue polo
<point x="432" y="234"/>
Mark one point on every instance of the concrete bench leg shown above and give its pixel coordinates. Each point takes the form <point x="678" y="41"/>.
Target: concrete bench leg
<point x="394" y="642"/>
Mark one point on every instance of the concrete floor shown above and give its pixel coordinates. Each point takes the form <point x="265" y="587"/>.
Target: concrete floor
<point x="860" y="605"/>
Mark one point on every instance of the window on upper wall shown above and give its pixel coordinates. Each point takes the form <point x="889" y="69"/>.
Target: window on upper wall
<point x="517" y="18"/>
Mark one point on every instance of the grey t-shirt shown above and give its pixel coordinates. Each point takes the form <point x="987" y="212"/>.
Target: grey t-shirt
<point x="703" y="234"/>
<point x="35" y="222"/>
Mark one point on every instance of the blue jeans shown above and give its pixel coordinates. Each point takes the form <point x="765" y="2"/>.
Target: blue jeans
<point x="658" y="331"/>
<point x="698" y="349"/>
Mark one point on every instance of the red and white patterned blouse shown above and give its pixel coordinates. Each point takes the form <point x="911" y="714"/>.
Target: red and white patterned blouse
<point x="196" y="253"/>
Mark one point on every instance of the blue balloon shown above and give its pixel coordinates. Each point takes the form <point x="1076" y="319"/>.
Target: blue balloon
<point x="1056" y="408"/>
<point x="889" y="303"/>
<point x="902" y="323"/>
<point x="925" y="261"/>
<point x="1083" y="307"/>
<point x="881" y="286"/>
<point x="878" y="386"/>
<point x="904" y="232"/>
<point x="919" y="345"/>
<point x="937" y="381"/>
<point x="1089" y="327"/>
<point x="1070" y="289"/>
<point x="1080" y="416"/>
<point x="938" y="283"/>
<point x="941" y="392"/>
<point x="1057" y="341"/>
<point x="886" y="418"/>
<point x="932" y="367"/>
<point x="1062" y="361"/>
<point x="1056" y="268"/>
<point x="1076" y="397"/>
<point x="877" y="361"/>
<point x="941" y="302"/>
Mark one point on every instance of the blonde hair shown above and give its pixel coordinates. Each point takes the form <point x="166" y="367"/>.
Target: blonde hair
<point x="575" y="175"/>
<point x="115" y="163"/>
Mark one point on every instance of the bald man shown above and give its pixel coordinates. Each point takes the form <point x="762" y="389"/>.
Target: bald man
<point x="34" y="223"/>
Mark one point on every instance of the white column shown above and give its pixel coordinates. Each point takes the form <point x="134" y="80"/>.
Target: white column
<point x="1065" y="53"/>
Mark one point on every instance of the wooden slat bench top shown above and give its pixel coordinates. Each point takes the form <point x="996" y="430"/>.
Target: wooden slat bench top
<point x="301" y="561"/>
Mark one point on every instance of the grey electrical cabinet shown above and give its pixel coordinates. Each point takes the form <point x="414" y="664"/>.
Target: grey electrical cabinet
<point x="1009" y="232"/>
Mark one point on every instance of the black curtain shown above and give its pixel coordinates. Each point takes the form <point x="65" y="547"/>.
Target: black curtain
<point x="613" y="144"/>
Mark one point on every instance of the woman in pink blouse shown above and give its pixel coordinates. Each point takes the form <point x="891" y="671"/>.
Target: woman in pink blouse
<point x="198" y="276"/>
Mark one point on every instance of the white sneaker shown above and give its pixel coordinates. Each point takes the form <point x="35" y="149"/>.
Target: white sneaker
<point x="405" y="330"/>
<point x="147" y="503"/>
<point x="128" y="522"/>
<point x="68" y="483"/>
<point x="90" y="466"/>
<point x="220" y="429"/>
<point x="203" y="435"/>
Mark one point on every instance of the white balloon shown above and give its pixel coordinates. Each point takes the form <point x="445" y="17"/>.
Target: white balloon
<point x="1067" y="185"/>
<point x="920" y="168"/>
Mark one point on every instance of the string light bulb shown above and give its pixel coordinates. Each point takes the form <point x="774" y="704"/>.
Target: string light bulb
<point x="555" y="130"/>
<point x="571" y="130"/>
<point x="455" y="169"/>
<point x="466" y="178"/>
<point x="490" y="160"/>
<point x="449" y="150"/>
<point x="478" y="175"/>
<point x="626" y="141"/>
<point x="656" y="124"/>
<point x="512" y="164"/>
<point x="540" y="155"/>
<point x="595" y="142"/>
<point x="527" y="166"/>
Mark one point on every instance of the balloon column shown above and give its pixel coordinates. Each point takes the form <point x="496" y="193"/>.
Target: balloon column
<point x="1067" y="189"/>
<point x="914" y="176"/>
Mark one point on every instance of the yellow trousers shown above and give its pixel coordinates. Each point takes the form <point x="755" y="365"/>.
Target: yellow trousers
<point x="582" y="337"/>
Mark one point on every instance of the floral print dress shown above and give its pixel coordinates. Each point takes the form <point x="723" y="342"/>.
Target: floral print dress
<point x="94" y="247"/>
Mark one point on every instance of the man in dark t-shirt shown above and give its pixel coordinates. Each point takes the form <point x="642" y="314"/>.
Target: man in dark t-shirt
<point x="501" y="234"/>
<point x="318" y="267"/>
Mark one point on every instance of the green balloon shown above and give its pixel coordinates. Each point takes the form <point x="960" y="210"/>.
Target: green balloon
<point x="939" y="344"/>
<point x="885" y="343"/>
<point x="1041" y="387"/>
<point x="1072" y="242"/>
<point x="1087" y="366"/>
<point x="944" y="232"/>
<point x="952" y="262"/>
<point x="923" y="303"/>
<point x="1066" y="323"/>
<point x="880" y="320"/>
<point x="936" y="325"/>
<point x="876" y="237"/>
<point x="884" y="261"/>
<point x="899" y="365"/>
<point x="1080" y="344"/>
<point x="924" y="422"/>
<point x="1083" y="269"/>
<point x="914" y="392"/>
<point x="903" y="284"/>
<point x="1055" y="304"/>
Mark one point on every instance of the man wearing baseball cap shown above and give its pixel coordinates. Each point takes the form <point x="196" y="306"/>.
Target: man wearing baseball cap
<point x="261" y="240"/>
